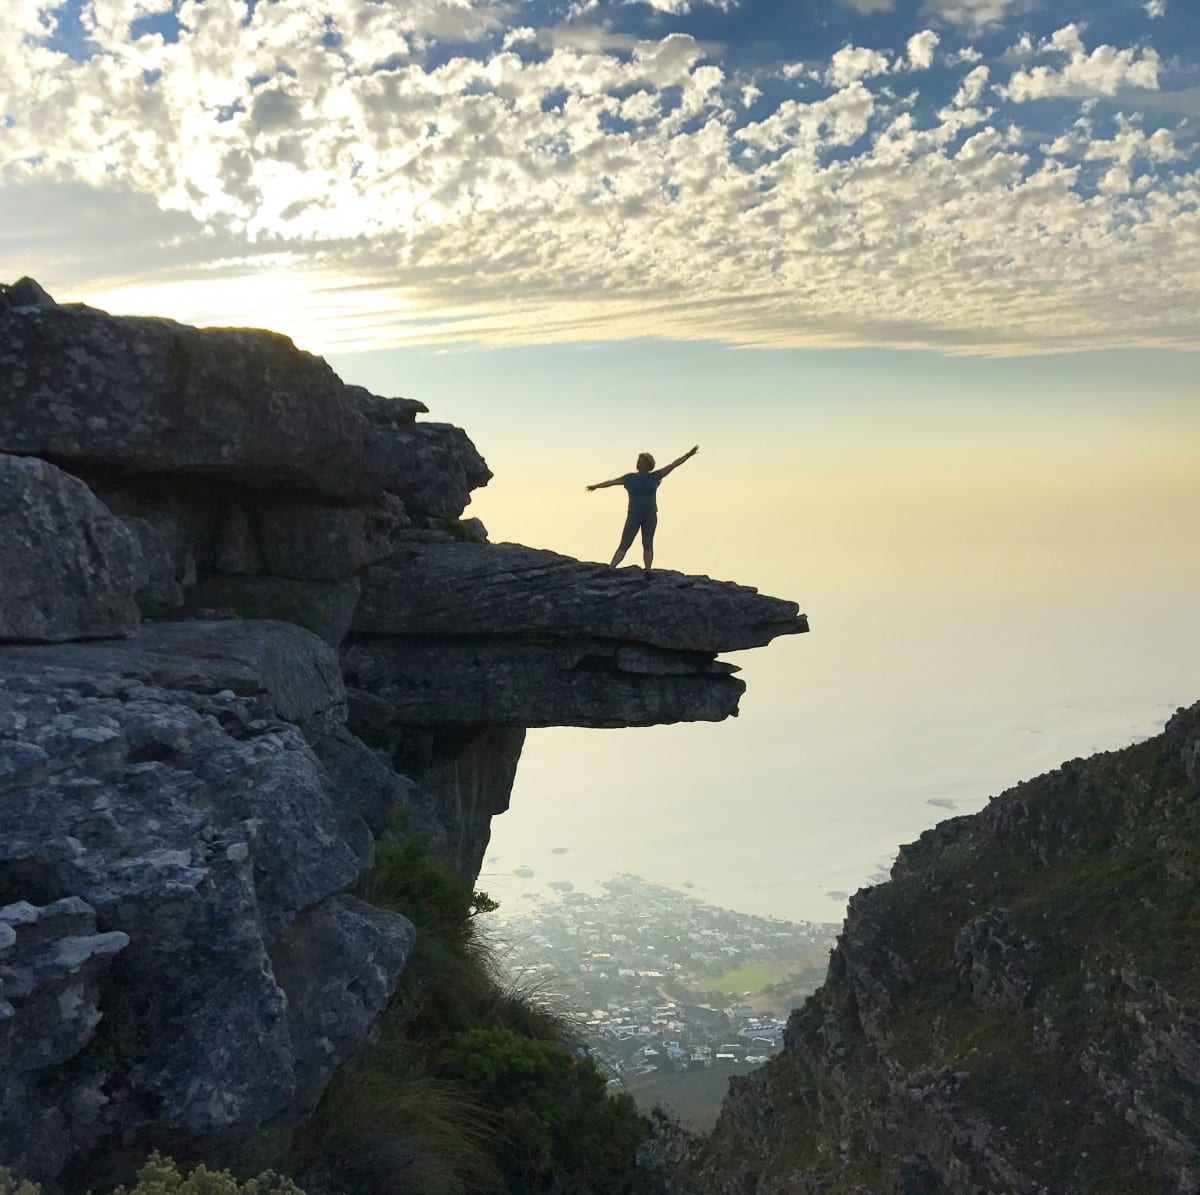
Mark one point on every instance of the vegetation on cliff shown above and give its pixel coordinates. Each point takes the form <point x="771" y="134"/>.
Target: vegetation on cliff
<point x="1018" y="1009"/>
<point x="161" y="1176"/>
<point x="472" y="1085"/>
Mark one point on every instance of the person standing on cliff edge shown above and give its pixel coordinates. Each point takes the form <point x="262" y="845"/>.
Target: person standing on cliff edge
<point x="642" y="488"/>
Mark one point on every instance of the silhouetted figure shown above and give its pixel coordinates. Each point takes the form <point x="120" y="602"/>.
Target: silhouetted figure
<point x="642" y="487"/>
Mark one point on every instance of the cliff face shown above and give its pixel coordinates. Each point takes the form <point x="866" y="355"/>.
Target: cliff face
<point x="243" y="634"/>
<point x="1017" y="1010"/>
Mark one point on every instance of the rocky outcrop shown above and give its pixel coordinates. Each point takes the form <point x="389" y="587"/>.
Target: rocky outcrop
<point x="163" y="787"/>
<point x="448" y="588"/>
<point x="1017" y="1010"/>
<point x="149" y="396"/>
<point x="457" y="633"/>
<point x="473" y="682"/>
<point x="192" y="524"/>
<point x="71" y="568"/>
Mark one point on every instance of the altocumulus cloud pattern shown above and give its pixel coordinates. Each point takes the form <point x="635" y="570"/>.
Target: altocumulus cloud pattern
<point x="981" y="176"/>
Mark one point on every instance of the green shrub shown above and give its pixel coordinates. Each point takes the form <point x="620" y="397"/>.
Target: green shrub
<point x="160" y="1176"/>
<point x="560" y="1130"/>
<point x="384" y="1125"/>
<point x="407" y="878"/>
<point x="467" y="1088"/>
<point x="14" y="1186"/>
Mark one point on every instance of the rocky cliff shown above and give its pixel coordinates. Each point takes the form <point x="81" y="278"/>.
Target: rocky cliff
<point x="1016" y="1011"/>
<point x="244" y="633"/>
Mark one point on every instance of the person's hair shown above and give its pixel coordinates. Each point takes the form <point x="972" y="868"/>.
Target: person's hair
<point x="645" y="462"/>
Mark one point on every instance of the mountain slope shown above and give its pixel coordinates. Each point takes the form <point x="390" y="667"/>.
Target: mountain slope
<point x="1017" y="1010"/>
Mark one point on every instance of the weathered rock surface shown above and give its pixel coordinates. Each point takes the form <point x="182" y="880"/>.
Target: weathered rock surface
<point x="315" y="542"/>
<point x="184" y="804"/>
<point x="323" y="607"/>
<point x="286" y="672"/>
<point x="155" y="779"/>
<point x="81" y="387"/>
<point x="70" y="568"/>
<point x="451" y="588"/>
<point x="476" y="682"/>
<point x="1017" y="1010"/>
<point x="454" y="633"/>
<point x="52" y="960"/>
<point x="463" y="778"/>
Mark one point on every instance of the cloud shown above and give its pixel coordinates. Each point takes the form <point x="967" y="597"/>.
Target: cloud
<point x="971" y="88"/>
<point x="972" y="15"/>
<point x="867" y="7"/>
<point x="1155" y="8"/>
<point x="360" y="191"/>
<point x="851" y="63"/>
<point x="682" y="7"/>
<point x="920" y="49"/>
<point x="1104" y="71"/>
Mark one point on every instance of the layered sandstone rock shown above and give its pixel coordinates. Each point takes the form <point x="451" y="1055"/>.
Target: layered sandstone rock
<point x="443" y="587"/>
<point x="456" y="633"/>
<point x="150" y="396"/>
<point x="194" y="521"/>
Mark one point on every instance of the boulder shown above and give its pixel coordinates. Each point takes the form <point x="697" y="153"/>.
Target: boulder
<point x="451" y="588"/>
<point x="24" y="293"/>
<point x="153" y="783"/>
<point x="69" y="569"/>
<point x="152" y="396"/>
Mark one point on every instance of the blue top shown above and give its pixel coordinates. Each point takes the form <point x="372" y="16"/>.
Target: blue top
<point x="641" y="488"/>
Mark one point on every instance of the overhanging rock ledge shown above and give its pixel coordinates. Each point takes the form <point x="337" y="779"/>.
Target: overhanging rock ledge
<point x="245" y="633"/>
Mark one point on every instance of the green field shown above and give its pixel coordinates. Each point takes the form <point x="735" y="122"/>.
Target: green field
<point x="693" y="1096"/>
<point x="751" y="977"/>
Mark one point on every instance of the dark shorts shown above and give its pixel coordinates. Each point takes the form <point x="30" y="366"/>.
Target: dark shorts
<point x="639" y="520"/>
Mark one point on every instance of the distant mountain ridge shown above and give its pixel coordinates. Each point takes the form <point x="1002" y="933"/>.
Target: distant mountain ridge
<point x="1016" y="1011"/>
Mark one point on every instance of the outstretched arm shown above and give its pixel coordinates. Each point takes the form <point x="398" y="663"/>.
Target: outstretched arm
<point x="603" y="485"/>
<point x="687" y="456"/>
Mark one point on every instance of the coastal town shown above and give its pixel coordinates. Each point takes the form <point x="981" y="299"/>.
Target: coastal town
<point x="662" y="982"/>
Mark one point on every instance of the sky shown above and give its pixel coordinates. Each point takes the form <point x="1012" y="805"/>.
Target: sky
<point x="981" y="176"/>
<point x="921" y="277"/>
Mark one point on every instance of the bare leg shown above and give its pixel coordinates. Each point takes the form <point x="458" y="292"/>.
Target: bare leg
<point x="648" y="543"/>
<point x="631" y="526"/>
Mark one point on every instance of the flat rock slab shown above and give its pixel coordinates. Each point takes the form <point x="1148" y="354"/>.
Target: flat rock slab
<point x="82" y="387"/>
<point x="503" y="590"/>
<point x="69" y="568"/>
